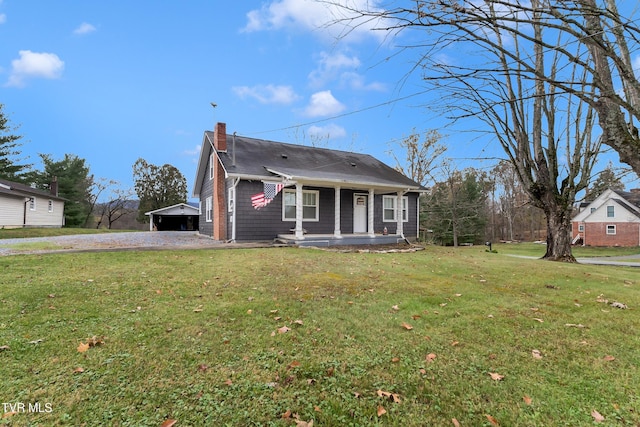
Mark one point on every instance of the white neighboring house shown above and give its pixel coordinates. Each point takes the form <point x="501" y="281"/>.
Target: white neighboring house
<point x="612" y="219"/>
<point x="24" y="206"/>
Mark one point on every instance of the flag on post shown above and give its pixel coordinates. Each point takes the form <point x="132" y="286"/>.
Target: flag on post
<point x="270" y="191"/>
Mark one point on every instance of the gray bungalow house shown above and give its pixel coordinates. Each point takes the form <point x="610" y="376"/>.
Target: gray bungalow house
<point x="256" y="190"/>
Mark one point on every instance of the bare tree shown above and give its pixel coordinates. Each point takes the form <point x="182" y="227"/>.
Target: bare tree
<point x="420" y="156"/>
<point x="117" y="206"/>
<point x="529" y="78"/>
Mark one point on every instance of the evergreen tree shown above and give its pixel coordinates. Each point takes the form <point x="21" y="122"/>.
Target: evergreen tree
<point x="10" y="168"/>
<point x="455" y="210"/>
<point x="606" y="179"/>
<point x="74" y="184"/>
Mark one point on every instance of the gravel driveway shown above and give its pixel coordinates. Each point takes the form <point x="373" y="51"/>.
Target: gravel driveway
<point x="113" y="241"/>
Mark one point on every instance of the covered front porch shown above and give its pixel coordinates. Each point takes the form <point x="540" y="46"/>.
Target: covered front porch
<point x="341" y="240"/>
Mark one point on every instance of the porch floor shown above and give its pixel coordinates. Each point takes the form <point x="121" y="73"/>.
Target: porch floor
<point x="344" y="239"/>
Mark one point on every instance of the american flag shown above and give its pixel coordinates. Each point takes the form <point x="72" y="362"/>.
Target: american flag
<point x="270" y="191"/>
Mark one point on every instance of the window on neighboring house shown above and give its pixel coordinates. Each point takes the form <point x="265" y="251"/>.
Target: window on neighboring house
<point x="32" y="203"/>
<point x="611" y="229"/>
<point x="209" y="209"/>
<point x="592" y="210"/>
<point x="310" y="206"/>
<point x="230" y="199"/>
<point x="580" y="227"/>
<point x="611" y="212"/>
<point x="389" y="208"/>
<point x="211" y="166"/>
<point x="50" y="205"/>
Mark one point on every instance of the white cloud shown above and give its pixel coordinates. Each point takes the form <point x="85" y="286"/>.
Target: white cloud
<point x="268" y="94"/>
<point x="3" y="18"/>
<point x="194" y="151"/>
<point x="34" y="65"/>
<point x="314" y="15"/>
<point x="340" y="67"/>
<point x="84" y="28"/>
<point x="323" y="104"/>
<point x="330" y="131"/>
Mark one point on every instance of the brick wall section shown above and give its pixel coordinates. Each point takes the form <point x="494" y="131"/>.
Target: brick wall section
<point x="219" y="192"/>
<point x="627" y="234"/>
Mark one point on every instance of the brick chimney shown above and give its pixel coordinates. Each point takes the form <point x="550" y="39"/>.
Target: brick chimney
<point x="220" y="137"/>
<point x="219" y="193"/>
<point x="53" y="186"/>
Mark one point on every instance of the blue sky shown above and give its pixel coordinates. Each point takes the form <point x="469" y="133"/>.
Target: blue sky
<point x="114" y="81"/>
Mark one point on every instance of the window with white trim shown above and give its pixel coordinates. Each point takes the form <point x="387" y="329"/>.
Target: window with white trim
<point x="32" y="203"/>
<point x="611" y="213"/>
<point x="310" y="205"/>
<point x="50" y="205"/>
<point x="231" y="199"/>
<point x="389" y="208"/>
<point x="209" y="209"/>
<point x="611" y="229"/>
<point x="580" y="227"/>
<point x="211" y="166"/>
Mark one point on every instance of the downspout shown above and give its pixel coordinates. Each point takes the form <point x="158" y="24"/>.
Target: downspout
<point x="233" y="208"/>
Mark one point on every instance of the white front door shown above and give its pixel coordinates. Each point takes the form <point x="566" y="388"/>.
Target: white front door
<point x="360" y="213"/>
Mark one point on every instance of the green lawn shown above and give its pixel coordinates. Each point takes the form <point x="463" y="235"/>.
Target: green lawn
<point x="274" y="336"/>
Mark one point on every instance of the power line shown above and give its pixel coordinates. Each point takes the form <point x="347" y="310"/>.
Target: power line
<point x="389" y="102"/>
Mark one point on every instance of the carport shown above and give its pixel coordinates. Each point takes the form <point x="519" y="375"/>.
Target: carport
<point x="180" y="217"/>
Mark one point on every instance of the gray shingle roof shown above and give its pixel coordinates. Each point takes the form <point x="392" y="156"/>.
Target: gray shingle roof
<point x="17" y="189"/>
<point x="262" y="159"/>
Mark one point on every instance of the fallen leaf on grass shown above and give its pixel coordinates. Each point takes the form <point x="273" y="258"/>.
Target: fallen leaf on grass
<point x="395" y="398"/>
<point x="298" y="322"/>
<point x="608" y="358"/>
<point x="228" y="382"/>
<point x="573" y="325"/>
<point x="492" y="420"/>
<point x="4" y="347"/>
<point x="407" y="326"/>
<point x="527" y="399"/>
<point x="395" y="307"/>
<point x="286" y="415"/>
<point x="381" y="411"/>
<point x="83" y="347"/>
<point x="395" y="360"/>
<point x="169" y="423"/>
<point x="203" y="367"/>
<point x="538" y="319"/>
<point x="78" y="370"/>
<point x="293" y="364"/>
<point x="536" y="354"/>
<point x="415" y="316"/>
<point x="198" y="309"/>
<point x="496" y="376"/>
<point x="455" y="422"/>
<point x="283" y="330"/>
<point x="431" y="357"/>
<point x="597" y="416"/>
<point x="8" y="414"/>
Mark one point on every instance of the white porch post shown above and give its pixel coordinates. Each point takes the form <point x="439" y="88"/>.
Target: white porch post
<point x="336" y="227"/>
<point x="399" y="228"/>
<point x="299" y="231"/>
<point x="151" y="222"/>
<point x="370" y="229"/>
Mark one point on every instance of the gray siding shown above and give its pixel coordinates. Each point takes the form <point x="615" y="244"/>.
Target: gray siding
<point x="206" y="228"/>
<point x="266" y="223"/>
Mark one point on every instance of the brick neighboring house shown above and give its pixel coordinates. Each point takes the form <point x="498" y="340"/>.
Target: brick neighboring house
<point x="24" y="206"/>
<point x="257" y="190"/>
<point x="612" y="219"/>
